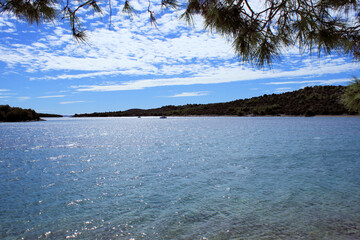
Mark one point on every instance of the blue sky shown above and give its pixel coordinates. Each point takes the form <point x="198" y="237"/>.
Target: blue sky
<point x="132" y="64"/>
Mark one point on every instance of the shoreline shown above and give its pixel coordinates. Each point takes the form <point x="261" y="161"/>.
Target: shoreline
<point x="37" y="120"/>
<point x="248" y="116"/>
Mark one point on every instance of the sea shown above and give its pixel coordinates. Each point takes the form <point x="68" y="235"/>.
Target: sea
<point x="181" y="178"/>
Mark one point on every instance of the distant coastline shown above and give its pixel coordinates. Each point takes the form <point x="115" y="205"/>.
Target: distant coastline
<point x="224" y="116"/>
<point x="49" y="115"/>
<point x="308" y="102"/>
<point x="317" y="101"/>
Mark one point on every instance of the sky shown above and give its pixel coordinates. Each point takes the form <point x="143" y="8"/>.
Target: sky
<point x="129" y="63"/>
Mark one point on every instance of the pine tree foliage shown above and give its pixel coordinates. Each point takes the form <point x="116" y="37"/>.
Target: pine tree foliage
<point x="258" y="29"/>
<point x="351" y="96"/>
<point x="259" y="35"/>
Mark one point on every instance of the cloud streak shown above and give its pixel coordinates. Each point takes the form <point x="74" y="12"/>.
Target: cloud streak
<point x="284" y="89"/>
<point x="330" y="81"/>
<point x="52" y="96"/>
<point x="191" y="94"/>
<point x="225" y="75"/>
<point x="24" y="98"/>
<point x="71" y="102"/>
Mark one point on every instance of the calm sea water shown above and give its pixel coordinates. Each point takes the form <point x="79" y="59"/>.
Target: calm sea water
<point x="181" y="178"/>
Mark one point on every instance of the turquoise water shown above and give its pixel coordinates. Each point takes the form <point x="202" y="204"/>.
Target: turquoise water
<point x="181" y="178"/>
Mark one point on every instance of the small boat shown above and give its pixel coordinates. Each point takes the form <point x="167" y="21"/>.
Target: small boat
<point x="163" y="117"/>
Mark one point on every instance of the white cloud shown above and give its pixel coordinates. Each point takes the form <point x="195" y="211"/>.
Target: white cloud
<point x="191" y="94"/>
<point x="24" y="98"/>
<point x="52" y="96"/>
<point x="6" y="25"/>
<point x="4" y="90"/>
<point x="127" y="48"/>
<point x="70" y="102"/>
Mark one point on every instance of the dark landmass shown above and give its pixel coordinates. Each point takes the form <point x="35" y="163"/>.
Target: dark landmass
<point x="310" y="101"/>
<point x="15" y="114"/>
<point x="49" y="115"/>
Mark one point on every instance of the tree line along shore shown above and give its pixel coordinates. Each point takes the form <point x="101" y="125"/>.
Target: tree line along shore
<point x="309" y="101"/>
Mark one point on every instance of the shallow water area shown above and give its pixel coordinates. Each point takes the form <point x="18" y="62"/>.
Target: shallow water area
<point x="181" y="178"/>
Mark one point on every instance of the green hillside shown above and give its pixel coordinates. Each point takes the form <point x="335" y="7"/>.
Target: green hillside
<point x="317" y="100"/>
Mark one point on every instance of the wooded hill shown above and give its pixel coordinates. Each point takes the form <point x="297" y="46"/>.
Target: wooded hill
<point x="317" y="100"/>
<point x="15" y="114"/>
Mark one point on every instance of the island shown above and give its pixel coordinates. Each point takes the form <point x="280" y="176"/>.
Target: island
<point x="16" y="114"/>
<point x="309" y="101"/>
